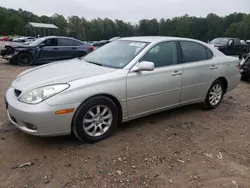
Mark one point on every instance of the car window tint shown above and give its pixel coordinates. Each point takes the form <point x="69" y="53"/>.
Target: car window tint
<point x="50" y="42"/>
<point x="77" y="43"/>
<point x="66" y="42"/>
<point x="162" y="54"/>
<point x="193" y="51"/>
<point x="237" y="42"/>
<point x="209" y="54"/>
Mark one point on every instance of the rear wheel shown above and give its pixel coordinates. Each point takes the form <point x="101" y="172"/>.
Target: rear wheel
<point x="95" y="120"/>
<point x="24" y="59"/>
<point x="214" y="95"/>
<point x="244" y="77"/>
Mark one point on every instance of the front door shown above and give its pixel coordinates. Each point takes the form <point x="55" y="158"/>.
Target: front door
<point x="231" y="48"/>
<point x="149" y="91"/>
<point x="48" y="51"/>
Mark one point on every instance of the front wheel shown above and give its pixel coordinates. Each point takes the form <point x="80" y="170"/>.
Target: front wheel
<point x="214" y="95"/>
<point x="24" y="59"/>
<point x="95" y="120"/>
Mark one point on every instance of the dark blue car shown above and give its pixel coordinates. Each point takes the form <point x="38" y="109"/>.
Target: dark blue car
<point x="45" y="50"/>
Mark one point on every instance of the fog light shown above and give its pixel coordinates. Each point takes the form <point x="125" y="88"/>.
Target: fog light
<point x="30" y="126"/>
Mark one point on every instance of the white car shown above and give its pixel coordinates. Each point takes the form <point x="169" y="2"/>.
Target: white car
<point x="123" y="80"/>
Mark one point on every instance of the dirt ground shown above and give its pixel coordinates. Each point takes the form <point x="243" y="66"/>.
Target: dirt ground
<point x="183" y="148"/>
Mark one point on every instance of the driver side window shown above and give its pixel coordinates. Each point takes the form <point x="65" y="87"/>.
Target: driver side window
<point x="50" y="42"/>
<point x="163" y="54"/>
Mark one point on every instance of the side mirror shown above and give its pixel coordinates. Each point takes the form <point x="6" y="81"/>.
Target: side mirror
<point x="144" y="66"/>
<point x="41" y="45"/>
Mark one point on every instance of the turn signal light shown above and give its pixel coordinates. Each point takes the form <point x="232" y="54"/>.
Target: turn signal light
<point x="65" y="111"/>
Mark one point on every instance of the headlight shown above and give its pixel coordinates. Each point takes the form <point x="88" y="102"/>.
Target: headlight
<point x="40" y="94"/>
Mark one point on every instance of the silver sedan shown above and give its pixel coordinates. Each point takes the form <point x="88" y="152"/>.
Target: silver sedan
<point x="123" y="80"/>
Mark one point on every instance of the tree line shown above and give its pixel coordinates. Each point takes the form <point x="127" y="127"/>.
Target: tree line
<point x="12" y="22"/>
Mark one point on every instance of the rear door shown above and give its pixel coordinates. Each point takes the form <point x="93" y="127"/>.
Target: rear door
<point x="67" y="48"/>
<point x="199" y="71"/>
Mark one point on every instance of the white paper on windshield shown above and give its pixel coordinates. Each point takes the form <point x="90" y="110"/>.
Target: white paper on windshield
<point x="137" y="44"/>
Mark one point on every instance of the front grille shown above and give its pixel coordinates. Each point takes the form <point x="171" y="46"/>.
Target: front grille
<point x="17" y="92"/>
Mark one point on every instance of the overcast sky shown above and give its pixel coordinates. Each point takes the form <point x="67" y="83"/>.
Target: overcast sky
<point x="130" y="10"/>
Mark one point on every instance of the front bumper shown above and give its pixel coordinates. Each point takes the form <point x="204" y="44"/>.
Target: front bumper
<point x="39" y="119"/>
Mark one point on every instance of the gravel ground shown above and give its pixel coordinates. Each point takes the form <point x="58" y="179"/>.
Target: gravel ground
<point x="182" y="148"/>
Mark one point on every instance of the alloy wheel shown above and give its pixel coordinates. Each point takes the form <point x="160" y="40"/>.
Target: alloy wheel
<point x="97" y="121"/>
<point x="215" y="94"/>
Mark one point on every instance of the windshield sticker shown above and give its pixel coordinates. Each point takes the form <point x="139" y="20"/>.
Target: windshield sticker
<point x="137" y="44"/>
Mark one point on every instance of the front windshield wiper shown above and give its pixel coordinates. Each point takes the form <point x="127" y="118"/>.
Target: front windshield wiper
<point x="94" y="63"/>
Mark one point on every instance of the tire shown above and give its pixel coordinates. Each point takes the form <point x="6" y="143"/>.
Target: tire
<point x="244" y="77"/>
<point x="209" y="103"/>
<point x="25" y="59"/>
<point x="84" y="131"/>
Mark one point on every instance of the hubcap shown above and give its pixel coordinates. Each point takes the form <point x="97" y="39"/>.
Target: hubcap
<point x="97" y="120"/>
<point x="215" y="94"/>
<point x="25" y="60"/>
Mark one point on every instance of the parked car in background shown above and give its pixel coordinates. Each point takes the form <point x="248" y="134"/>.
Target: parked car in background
<point x="98" y="44"/>
<point x="123" y="80"/>
<point x="4" y="38"/>
<point x="113" y="39"/>
<point x="245" y="68"/>
<point x="23" y="39"/>
<point x="45" y="50"/>
<point x="230" y="46"/>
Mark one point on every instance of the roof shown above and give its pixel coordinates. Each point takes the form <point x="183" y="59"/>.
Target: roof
<point x="154" y="38"/>
<point x="41" y="25"/>
<point x="49" y="37"/>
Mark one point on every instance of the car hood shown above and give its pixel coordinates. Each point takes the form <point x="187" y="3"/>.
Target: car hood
<point x="17" y="46"/>
<point x="58" y="72"/>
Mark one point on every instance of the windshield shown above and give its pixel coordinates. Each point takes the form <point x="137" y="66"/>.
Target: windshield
<point x="116" y="54"/>
<point x="37" y="42"/>
<point x="223" y="41"/>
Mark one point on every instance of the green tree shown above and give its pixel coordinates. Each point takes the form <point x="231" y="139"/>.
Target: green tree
<point x="12" y="22"/>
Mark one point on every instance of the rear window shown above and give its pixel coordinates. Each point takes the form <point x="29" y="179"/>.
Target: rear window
<point x="222" y="41"/>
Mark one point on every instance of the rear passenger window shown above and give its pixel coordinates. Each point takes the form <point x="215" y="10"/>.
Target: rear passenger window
<point x="193" y="51"/>
<point x="76" y="43"/>
<point x="65" y="42"/>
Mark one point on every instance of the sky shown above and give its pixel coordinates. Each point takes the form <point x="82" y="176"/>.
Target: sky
<point x="129" y="10"/>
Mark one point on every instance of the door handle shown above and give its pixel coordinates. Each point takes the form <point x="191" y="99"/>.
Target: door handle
<point x="214" y="67"/>
<point x="176" y="73"/>
<point x="55" y="48"/>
